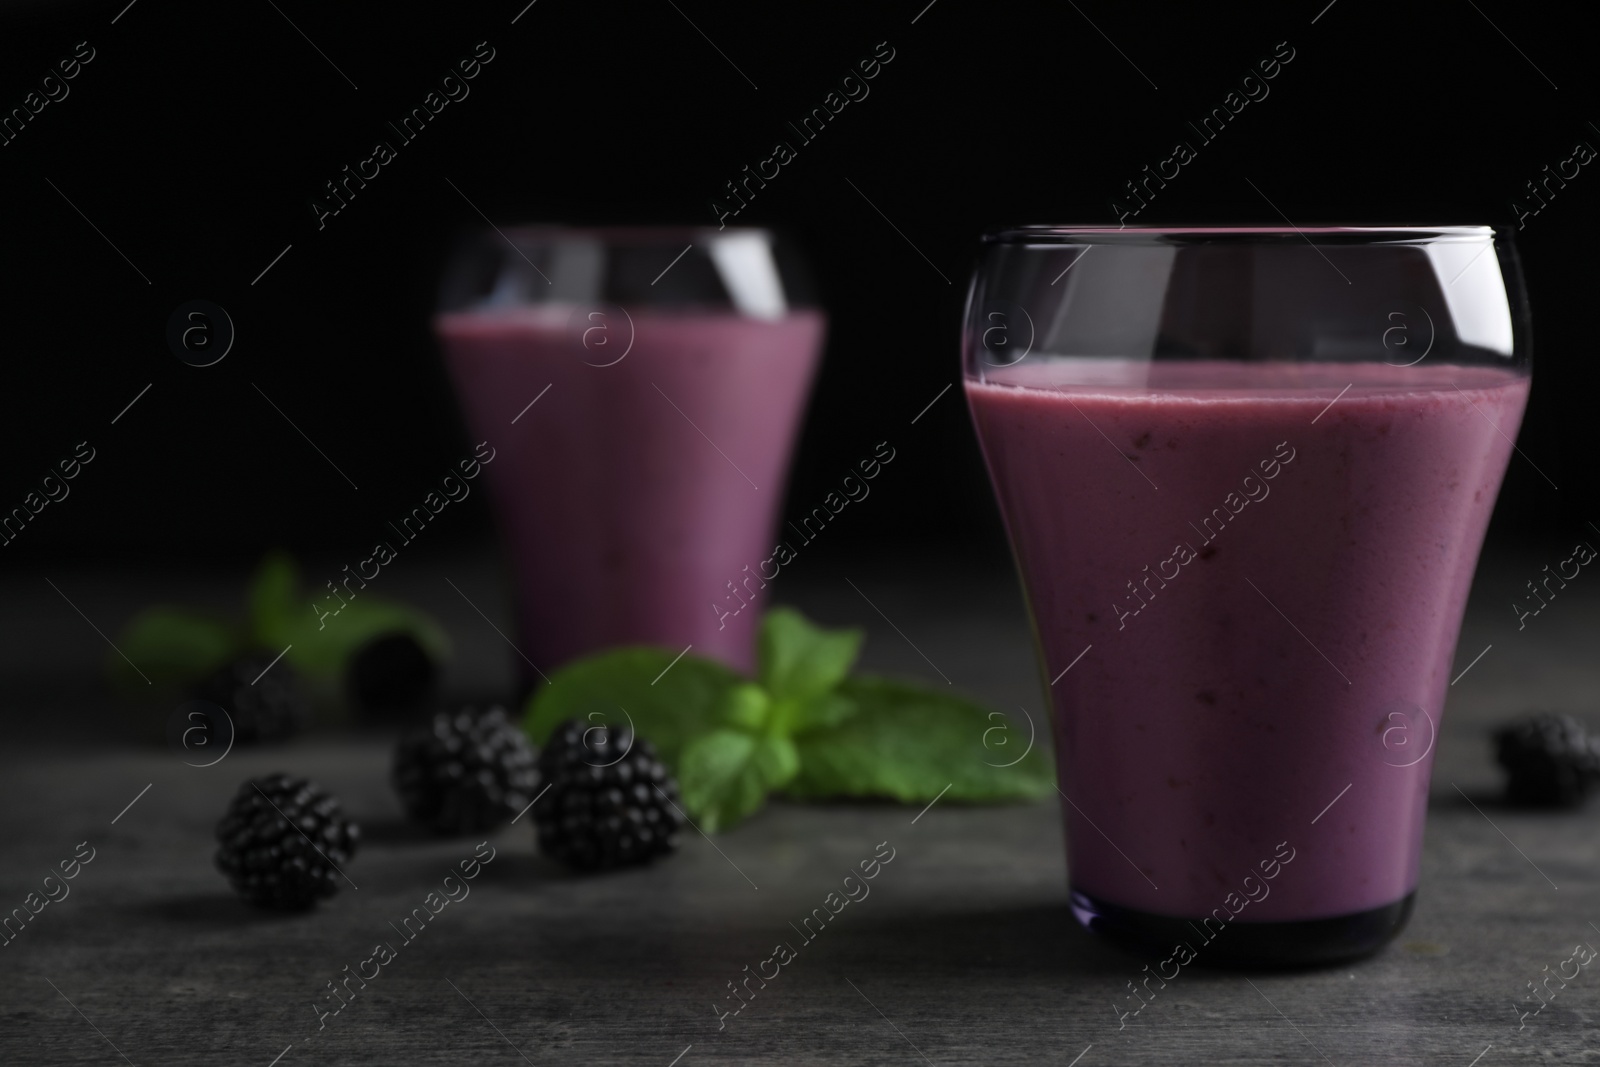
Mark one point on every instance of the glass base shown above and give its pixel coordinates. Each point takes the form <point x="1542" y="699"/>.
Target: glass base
<point x="1303" y="943"/>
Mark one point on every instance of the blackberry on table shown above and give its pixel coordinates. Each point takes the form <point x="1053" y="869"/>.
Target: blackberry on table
<point x="467" y="772"/>
<point x="611" y="802"/>
<point x="1550" y="760"/>
<point x="266" y="706"/>
<point x="284" y="842"/>
<point x="391" y="674"/>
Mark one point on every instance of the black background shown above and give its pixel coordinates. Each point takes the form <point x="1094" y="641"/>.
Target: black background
<point x="199" y="134"/>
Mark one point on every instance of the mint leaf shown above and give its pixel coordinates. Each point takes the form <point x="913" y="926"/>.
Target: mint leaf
<point x="799" y="661"/>
<point x="726" y="775"/>
<point x="907" y="743"/>
<point x="669" y="710"/>
<point x="322" y="631"/>
<point x="778" y="760"/>
<point x="322" y="646"/>
<point x="274" y="599"/>
<point x="173" y="646"/>
<point x="822" y="713"/>
<point x="746" y="707"/>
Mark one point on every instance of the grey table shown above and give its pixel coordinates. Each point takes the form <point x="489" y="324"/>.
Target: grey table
<point x="963" y="952"/>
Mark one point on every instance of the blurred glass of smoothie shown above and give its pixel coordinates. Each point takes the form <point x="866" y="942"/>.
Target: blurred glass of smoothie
<point x="643" y="390"/>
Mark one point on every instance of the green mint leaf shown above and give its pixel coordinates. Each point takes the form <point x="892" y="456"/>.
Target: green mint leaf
<point x="778" y="760"/>
<point x="323" y="630"/>
<point x="746" y="707"/>
<point x="820" y="713"/>
<point x="274" y="597"/>
<point x="173" y="647"/>
<point x="800" y="661"/>
<point x="726" y="775"/>
<point x="908" y="743"/>
<point x="627" y="684"/>
<point x="322" y="645"/>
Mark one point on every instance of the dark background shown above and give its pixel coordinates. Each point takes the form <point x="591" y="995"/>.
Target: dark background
<point x="198" y="135"/>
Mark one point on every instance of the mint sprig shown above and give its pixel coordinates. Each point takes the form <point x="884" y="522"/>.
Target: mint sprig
<point x="282" y="614"/>
<point x="803" y="727"/>
<point x="176" y="646"/>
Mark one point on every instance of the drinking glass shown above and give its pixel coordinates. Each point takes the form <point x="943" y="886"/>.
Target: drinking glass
<point x="641" y="390"/>
<point x="1246" y="474"/>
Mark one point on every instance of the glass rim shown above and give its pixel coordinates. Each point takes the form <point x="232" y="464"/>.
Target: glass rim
<point x="1241" y="234"/>
<point x="536" y="232"/>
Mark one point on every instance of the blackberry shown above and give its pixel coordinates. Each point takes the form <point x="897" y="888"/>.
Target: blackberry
<point x="1550" y="759"/>
<point x="611" y="802"/>
<point x="390" y="675"/>
<point x="265" y="706"/>
<point x="284" y="842"/>
<point x="466" y="773"/>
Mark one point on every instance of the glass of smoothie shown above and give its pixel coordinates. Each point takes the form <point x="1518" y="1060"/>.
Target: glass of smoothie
<point x="641" y="390"/>
<point x="1246" y="474"/>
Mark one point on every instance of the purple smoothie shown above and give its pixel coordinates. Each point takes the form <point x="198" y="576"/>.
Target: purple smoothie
<point x="631" y="496"/>
<point x="1186" y="519"/>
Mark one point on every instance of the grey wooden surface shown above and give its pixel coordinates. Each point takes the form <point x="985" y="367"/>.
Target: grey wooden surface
<point x="964" y="952"/>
